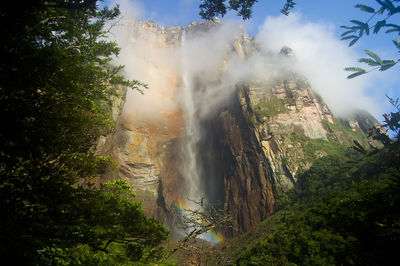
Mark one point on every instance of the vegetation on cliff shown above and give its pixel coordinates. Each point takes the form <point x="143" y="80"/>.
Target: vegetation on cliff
<point x="272" y="107"/>
<point x="55" y="82"/>
<point x="345" y="208"/>
<point x="337" y="217"/>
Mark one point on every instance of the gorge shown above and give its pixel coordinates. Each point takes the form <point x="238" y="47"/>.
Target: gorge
<point x="223" y="119"/>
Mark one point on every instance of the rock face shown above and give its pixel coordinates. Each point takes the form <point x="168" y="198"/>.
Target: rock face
<point x="245" y="179"/>
<point x="251" y="147"/>
<point x="283" y="117"/>
<point x="146" y="152"/>
<point x="149" y="150"/>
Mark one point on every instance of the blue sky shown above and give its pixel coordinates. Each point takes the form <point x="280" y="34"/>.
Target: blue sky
<point x="332" y="14"/>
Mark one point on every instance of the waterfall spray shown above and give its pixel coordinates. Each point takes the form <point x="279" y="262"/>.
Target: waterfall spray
<point x="190" y="170"/>
<point x="189" y="150"/>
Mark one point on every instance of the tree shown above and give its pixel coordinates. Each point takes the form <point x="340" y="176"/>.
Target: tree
<point x="388" y="10"/>
<point x="380" y="18"/>
<point x="336" y="217"/>
<point x="209" y="9"/>
<point x="56" y="86"/>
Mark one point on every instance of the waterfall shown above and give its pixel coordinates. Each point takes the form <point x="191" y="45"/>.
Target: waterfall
<point x="190" y="168"/>
<point x="192" y="103"/>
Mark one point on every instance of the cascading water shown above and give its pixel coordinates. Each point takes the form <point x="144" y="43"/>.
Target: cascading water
<point x="189" y="150"/>
<point x="191" y="171"/>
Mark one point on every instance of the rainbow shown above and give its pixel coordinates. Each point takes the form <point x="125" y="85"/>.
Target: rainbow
<point x="210" y="235"/>
<point x="213" y="237"/>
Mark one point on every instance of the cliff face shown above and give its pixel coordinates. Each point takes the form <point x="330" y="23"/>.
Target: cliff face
<point x="249" y="148"/>
<point x="148" y="145"/>
<point x="286" y="118"/>
<point x="235" y="161"/>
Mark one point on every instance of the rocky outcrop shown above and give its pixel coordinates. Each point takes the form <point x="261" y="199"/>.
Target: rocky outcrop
<point x="238" y="168"/>
<point x="293" y="126"/>
<point x="285" y="107"/>
<point x="153" y="33"/>
<point x="360" y="120"/>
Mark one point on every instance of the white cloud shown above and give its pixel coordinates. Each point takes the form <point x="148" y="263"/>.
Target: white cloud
<point x="321" y="57"/>
<point x="130" y="9"/>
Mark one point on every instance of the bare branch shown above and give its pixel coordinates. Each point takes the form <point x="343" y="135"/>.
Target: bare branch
<point x="196" y="222"/>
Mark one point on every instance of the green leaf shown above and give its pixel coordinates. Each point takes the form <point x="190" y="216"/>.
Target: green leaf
<point x="379" y="25"/>
<point x="397" y="43"/>
<point x="354" y="69"/>
<point x="355" y="74"/>
<point x="349" y="37"/>
<point x="369" y="61"/>
<point x="366" y="28"/>
<point x="393" y="25"/>
<point x="359" y="71"/>
<point x="348" y="27"/>
<point x="386" y="64"/>
<point x="362" y="26"/>
<point x="357" y="22"/>
<point x="347" y="32"/>
<point x="365" y="8"/>
<point x="353" y="41"/>
<point x="361" y="32"/>
<point x="374" y="56"/>
<point x="392" y="30"/>
<point x="388" y="5"/>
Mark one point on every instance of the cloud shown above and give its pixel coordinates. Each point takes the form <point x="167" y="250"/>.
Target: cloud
<point x="130" y="9"/>
<point x="321" y="57"/>
<point x="147" y="59"/>
<point x="190" y="76"/>
<point x="206" y="63"/>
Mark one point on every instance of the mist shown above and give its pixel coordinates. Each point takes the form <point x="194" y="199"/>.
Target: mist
<point x="321" y="58"/>
<point x="209" y="58"/>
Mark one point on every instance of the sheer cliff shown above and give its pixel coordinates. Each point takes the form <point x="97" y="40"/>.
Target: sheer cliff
<point x="239" y="151"/>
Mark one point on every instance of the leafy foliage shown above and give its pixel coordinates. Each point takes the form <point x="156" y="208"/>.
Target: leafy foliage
<point x="386" y="8"/>
<point x="392" y="122"/>
<point x="344" y="210"/>
<point x="56" y="82"/>
<point x="336" y="217"/>
<point x="289" y="5"/>
<point x="209" y="9"/>
<point x="108" y="225"/>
